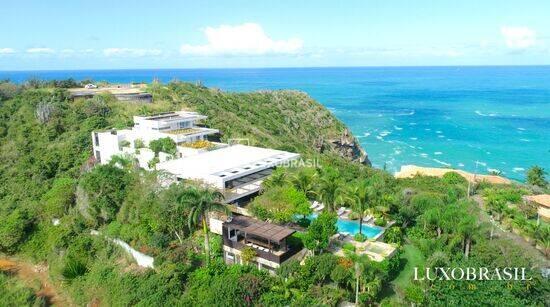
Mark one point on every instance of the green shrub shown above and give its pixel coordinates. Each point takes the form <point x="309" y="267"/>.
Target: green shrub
<point x="380" y="222"/>
<point x="359" y="237"/>
<point x="454" y="178"/>
<point x="166" y="145"/>
<point x="73" y="268"/>
<point x="349" y="247"/>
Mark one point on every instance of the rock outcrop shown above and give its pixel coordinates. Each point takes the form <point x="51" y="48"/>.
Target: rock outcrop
<point x="346" y="146"/>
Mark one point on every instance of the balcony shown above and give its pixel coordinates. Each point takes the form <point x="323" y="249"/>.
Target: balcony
<point x="271" y="242"/>
<point x="273" y="256"/>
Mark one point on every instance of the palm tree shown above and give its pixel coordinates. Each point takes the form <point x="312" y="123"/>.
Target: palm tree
<point x="201" y="202"/>
<point x="467" y="229"/>
<point x="360" y="194"/>
<point x="330" y="191"/>
<point x="304" y="180"/>
<point x="276" y="179"/>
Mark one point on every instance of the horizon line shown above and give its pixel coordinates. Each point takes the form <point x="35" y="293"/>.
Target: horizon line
<point x="280" y="67"/>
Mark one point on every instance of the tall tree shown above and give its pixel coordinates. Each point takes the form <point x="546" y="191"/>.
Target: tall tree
<point x="319" y="232"/>
<point x="304" y="180"/>
<point x="201" y="202"/>
<point x="467" y="229"/>
<point x="330" y="189"/>
<point x="359" y="194"/>
<point x="536" y="176"/>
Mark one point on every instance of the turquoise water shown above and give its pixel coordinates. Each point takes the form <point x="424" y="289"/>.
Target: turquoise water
<point x="352" y="227"/>
<point x="429" y="116"/>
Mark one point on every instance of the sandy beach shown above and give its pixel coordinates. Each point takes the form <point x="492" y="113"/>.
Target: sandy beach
<point x="408" y="171"/>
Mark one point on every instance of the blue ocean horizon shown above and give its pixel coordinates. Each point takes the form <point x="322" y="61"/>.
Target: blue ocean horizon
<point x="475" y="118"/>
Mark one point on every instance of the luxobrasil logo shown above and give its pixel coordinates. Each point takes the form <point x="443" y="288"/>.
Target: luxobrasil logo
<point x="470" y="273"/>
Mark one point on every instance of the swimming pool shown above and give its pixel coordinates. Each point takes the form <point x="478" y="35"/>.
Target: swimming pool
<point x="352" y="227"/>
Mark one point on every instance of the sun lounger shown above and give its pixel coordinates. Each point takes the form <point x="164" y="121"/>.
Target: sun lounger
<point x="367" y="218"/>
<point x="321" y="207"/>
<point x="341" y="211"/>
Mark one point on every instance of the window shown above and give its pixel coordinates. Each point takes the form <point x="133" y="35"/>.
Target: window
<point x="96" y="139"/>
<point x="98" y="156"/>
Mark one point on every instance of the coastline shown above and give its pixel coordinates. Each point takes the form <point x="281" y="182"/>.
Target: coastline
<point x="408" y="171"/>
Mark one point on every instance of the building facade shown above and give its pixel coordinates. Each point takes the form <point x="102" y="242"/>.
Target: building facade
<point x="272" y="244"/>
<point x="181" y="127"/>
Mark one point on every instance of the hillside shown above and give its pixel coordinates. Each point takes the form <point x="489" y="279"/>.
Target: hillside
<point x="288" y="120"/>
<point x="45" y="135"/>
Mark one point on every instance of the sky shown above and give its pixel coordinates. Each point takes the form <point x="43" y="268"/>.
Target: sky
<point x="60" y="35"/>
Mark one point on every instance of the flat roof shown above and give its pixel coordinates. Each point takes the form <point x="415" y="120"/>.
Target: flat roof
<point x="272" y="232"/>
<point x="227" y="162"/>
<point x="172" y="116"/>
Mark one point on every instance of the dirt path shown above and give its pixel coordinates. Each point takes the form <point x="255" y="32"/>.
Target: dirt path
<point x="501" y="233"/>
<point x="29" y="274"/>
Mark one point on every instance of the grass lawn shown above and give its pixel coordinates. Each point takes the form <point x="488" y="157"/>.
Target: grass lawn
<point x="413" y="258"/>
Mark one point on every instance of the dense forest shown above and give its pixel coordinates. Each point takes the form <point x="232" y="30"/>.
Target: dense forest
<point x="58" y="211"/>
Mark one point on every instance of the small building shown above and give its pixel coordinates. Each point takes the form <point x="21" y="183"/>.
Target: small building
<point x="271" y="242"/>
<point x="542" y="201"/>
<point x="122" y="92"/>
<point x="237" y="170"/>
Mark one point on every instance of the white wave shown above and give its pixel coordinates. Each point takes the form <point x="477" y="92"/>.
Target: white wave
<point x="397" y="152"/>
<point x="481" y="163"/>
<point x="424" y="155"/>
<point x="397" y="128"/>
<point x="366" y="134"/>
<point x="428" y="129"/>
<point x="525" y="140"/>
<point x="518" y="169"/>
<point x="414" y="139"/>
<point x="441" y="162"/>
<point x="441" y="136"/>
<point x="488" y="152"/>
<point x="521" y="129"/>
<point x="461" y="164"/>
<point x="385" y="133"/>
<point x="439" y="132"/>
<point x="412" y="124"/>
<point x="438" y="153"/>
<point x="406" y="114"/>
<point x="483" y="114"/>
<point x="379" y="137"/>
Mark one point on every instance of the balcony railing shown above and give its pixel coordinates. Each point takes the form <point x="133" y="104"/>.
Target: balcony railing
<point x="239" y="245"/>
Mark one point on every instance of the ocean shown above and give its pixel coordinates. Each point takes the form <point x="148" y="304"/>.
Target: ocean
<point x="478" y="119"/>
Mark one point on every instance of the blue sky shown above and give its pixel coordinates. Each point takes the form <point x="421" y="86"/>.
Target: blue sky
<point x="210" y="34"/>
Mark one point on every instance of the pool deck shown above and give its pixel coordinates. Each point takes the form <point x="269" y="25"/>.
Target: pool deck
<point x="377" y="251"/>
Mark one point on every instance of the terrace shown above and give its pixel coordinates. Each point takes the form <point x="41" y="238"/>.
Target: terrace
<point x="268" y="240"/>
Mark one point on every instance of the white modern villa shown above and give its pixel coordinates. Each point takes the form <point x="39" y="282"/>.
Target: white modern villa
<point x="236" y="170"/>
<point x="179" y="126"/>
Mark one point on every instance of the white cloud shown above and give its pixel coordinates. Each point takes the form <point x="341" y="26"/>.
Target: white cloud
<point x="6" y="51"/>
<point x="245" y="39"/>
<point x="40" y="50"/>
<point x="132" y="52"/>
<point x="518" y="37"/>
